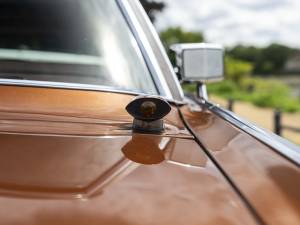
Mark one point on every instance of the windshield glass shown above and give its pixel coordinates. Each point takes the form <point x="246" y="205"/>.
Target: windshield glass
<point x="73" y="41"/>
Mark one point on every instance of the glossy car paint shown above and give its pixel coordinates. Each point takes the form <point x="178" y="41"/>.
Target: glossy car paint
<point x="29" y="110"/>
<point x="270" y="182"/>
<point x="70" y="157"/>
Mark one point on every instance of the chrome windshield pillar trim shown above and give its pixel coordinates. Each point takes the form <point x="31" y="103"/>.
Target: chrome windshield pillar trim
<point x="163" y="52"/>
<point x="145" y="48"/>
<point x="280" y="145"/>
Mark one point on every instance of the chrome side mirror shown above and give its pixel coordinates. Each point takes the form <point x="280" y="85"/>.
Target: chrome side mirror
<point x="199" y="62"/>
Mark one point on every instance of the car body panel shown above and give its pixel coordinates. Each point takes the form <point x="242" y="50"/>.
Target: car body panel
<point x="162" y="194"/>
<point x="99" y="113"/>
<point x="76" y="175"/>
<point x="69" y="156"/>
<point x="269" y="181"/>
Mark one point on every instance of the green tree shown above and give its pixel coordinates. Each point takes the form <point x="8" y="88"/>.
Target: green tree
<point x="236" y="69"/>
<point x="245" y="53"/>
<point x="152" y="7"/>
<point x="270" y="59"/>
<point x="174" y="35"/>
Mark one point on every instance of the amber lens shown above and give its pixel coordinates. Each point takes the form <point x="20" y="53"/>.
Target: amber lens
<point x="148" y="108"/>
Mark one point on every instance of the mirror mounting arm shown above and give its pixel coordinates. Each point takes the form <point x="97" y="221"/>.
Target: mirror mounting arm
<point x="201" y="91"/>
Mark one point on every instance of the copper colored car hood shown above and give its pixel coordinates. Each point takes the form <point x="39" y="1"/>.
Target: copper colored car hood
<point x="70" y="157"/>
<point x="269" y="182"/>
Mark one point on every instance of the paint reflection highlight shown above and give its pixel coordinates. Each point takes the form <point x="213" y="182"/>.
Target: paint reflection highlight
<point x="146" y="149"/>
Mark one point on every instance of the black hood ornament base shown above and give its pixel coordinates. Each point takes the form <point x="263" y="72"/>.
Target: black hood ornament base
<point x="148" y="113"/>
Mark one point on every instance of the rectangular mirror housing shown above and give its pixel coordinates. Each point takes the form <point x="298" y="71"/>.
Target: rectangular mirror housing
<point x="199" y="62"/>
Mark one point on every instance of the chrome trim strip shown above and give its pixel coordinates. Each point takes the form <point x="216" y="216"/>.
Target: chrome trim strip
<point x="63" y="85"/>
<point x="145" y="48"/>
<point x="162" y="50"/>
<point x="76" y="86"/>
<point x="280" y="145"/>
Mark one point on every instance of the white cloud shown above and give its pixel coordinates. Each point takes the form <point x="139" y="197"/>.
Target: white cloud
<point x="229" y="22"/>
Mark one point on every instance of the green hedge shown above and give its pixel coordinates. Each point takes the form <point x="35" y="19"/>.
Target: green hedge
<point x="260" y="92"/>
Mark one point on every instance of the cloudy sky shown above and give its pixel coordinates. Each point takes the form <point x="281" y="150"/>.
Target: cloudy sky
<point x="229" y="22"/>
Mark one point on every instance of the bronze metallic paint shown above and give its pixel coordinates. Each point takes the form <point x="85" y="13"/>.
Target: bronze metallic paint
<point x="61" y="162"/>
<point x="266" y="179"/>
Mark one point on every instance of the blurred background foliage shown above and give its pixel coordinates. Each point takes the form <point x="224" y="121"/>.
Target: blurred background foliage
<point x="152" y="7"/>
<point x="253" y="74"/>
<point x="267" y="60"/>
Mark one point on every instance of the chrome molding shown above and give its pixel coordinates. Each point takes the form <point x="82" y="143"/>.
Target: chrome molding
<point x="145" y="48"/>
<point x="63" y="85"/>
<point x="76" y="86"/>
<point x="282" y="146"/>
<point x="202" y="91"/>
<point x="175" y="86"/>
